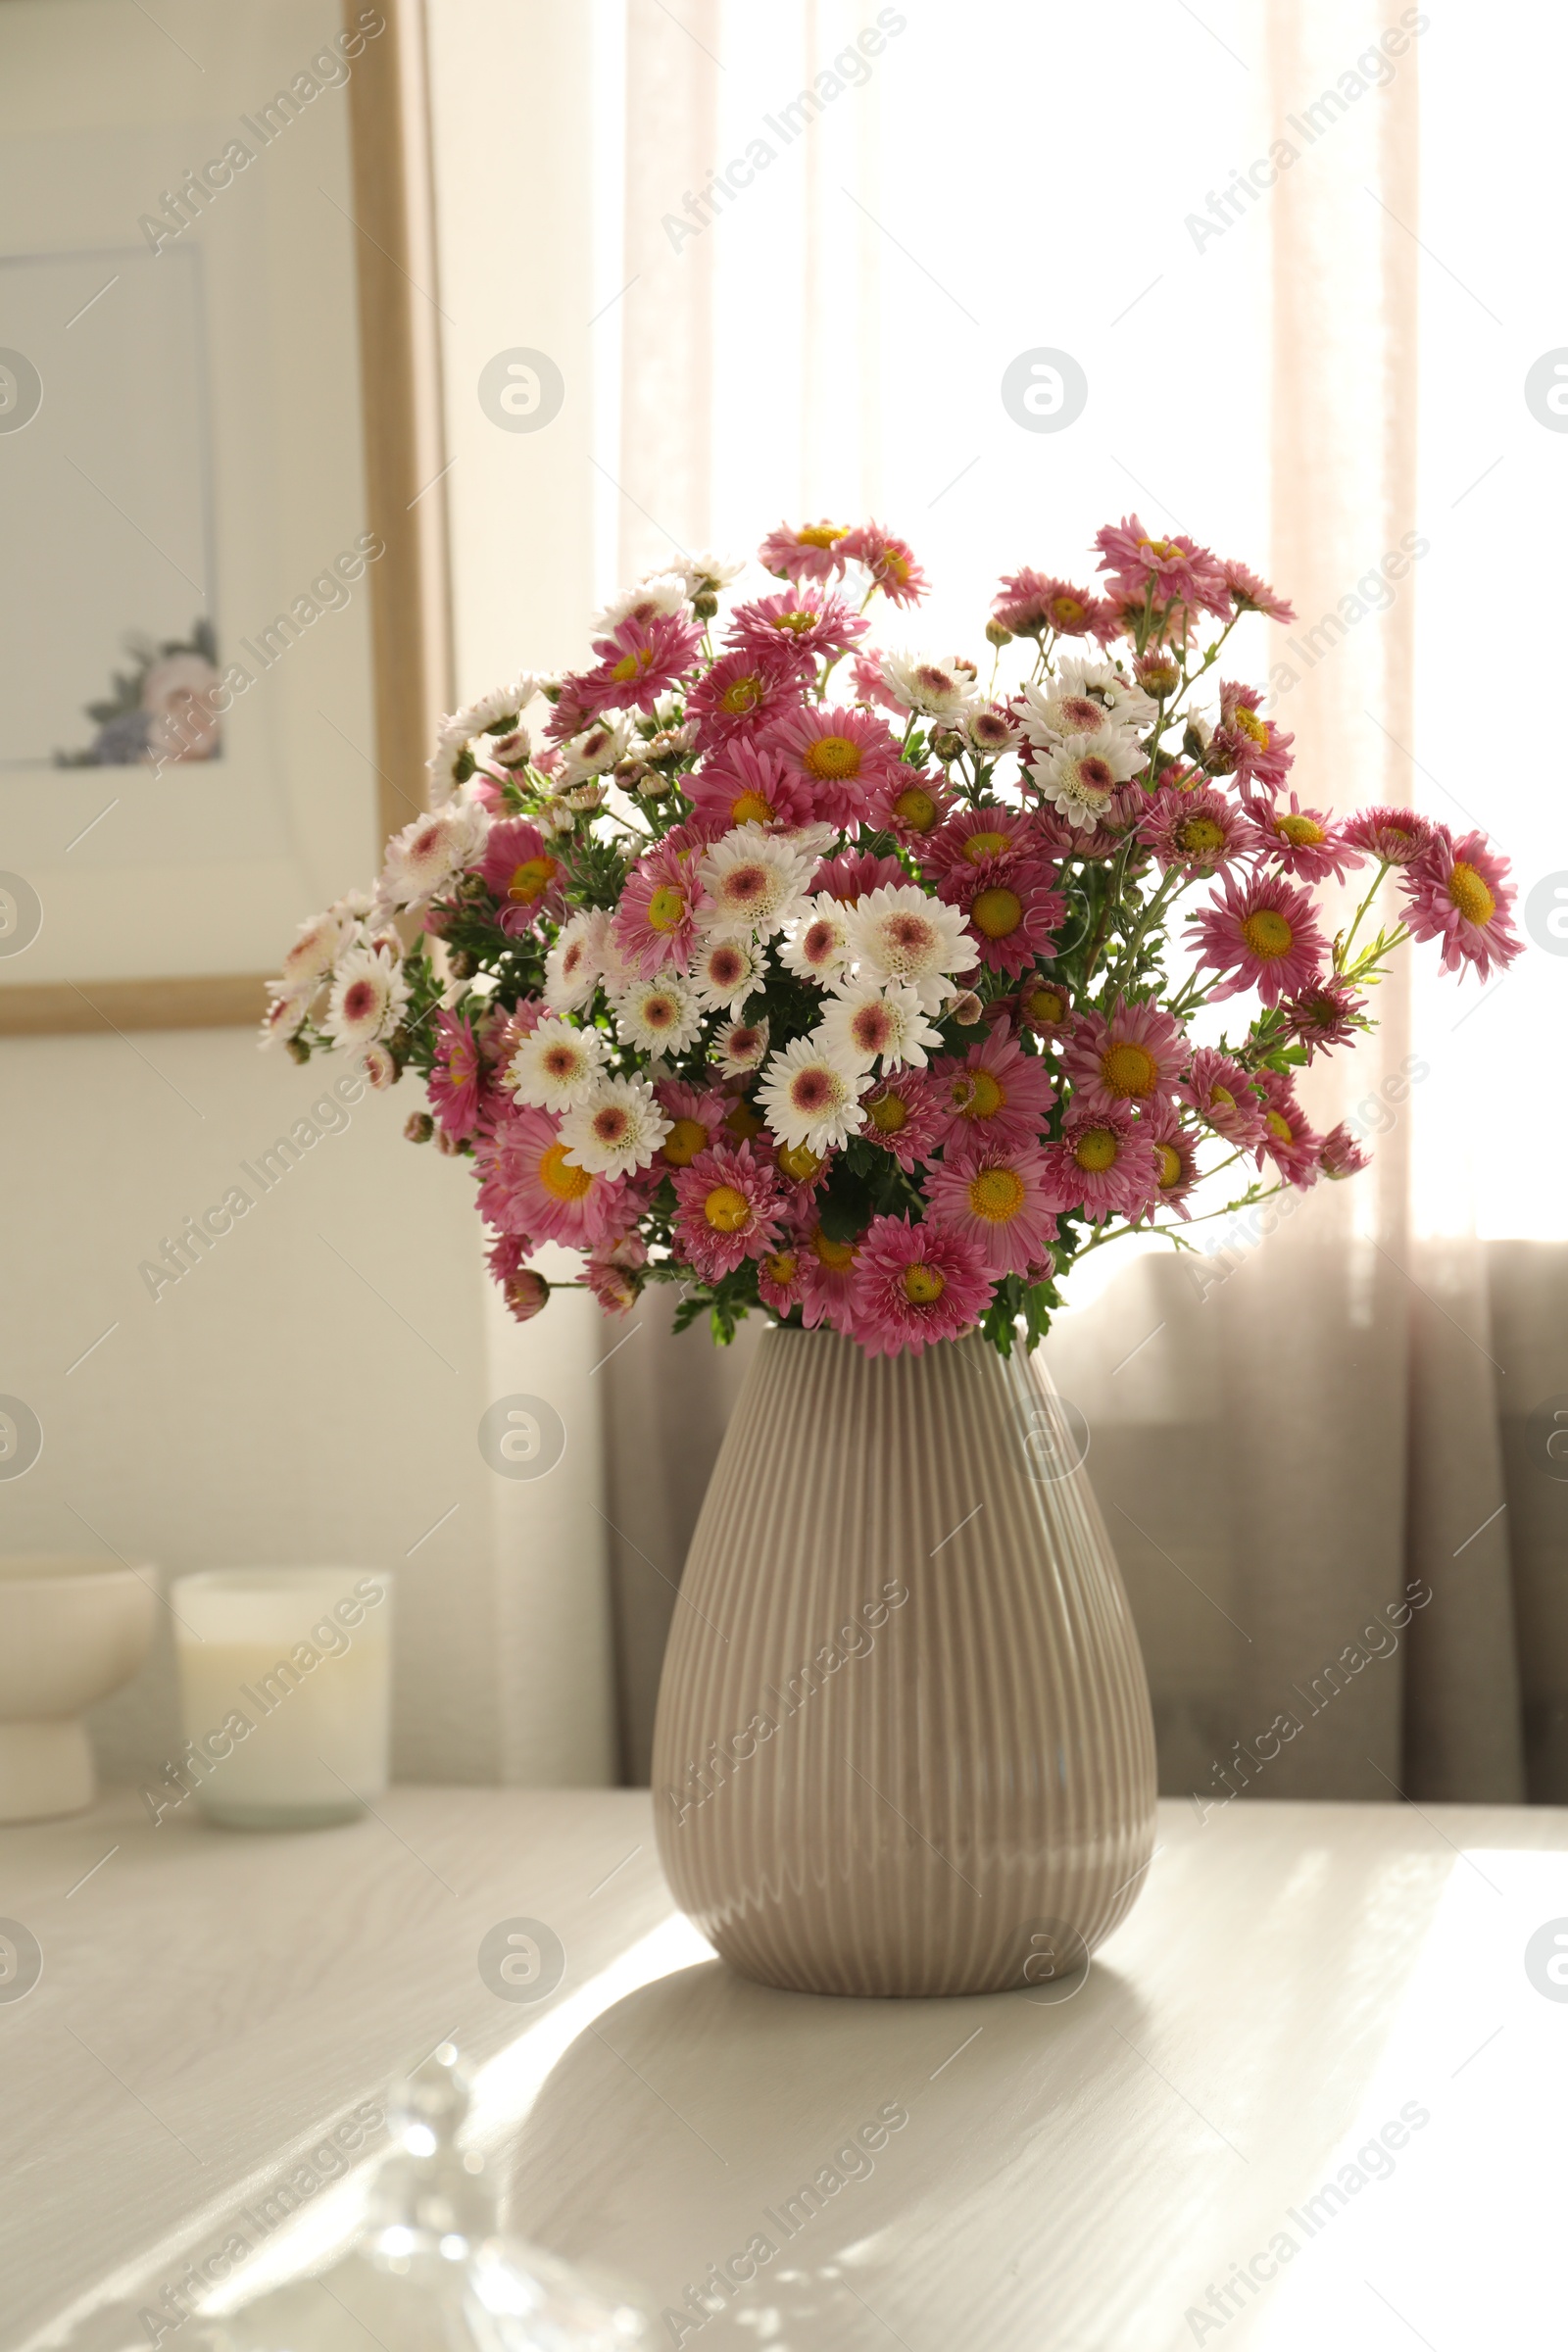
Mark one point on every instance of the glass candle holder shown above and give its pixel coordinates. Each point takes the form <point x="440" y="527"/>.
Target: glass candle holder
<point x="285" y="1686"/>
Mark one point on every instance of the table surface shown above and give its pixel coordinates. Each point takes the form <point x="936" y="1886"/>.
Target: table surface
<point x="1070" y="2173"/>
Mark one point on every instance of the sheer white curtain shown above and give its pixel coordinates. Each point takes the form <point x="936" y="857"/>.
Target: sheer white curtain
<point x="1268" y="286"/>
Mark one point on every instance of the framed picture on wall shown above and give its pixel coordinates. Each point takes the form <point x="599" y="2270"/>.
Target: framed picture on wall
<point x="221" y="490"/>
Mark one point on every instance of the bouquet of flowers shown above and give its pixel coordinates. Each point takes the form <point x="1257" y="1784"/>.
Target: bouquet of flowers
<point x="856" y="985"/>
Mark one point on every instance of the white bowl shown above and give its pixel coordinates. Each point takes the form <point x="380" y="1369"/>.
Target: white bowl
<point x="70" y="1632"/>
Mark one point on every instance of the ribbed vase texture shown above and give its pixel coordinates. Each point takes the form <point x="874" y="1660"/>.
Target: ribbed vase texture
<point x="903" y="1742"/>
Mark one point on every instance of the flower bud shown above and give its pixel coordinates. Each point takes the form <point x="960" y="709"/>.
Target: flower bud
<point x="526" y="1293"/>
<point x="705" y="605"/>
<point x="297" y="1050"/>
<point x="381" y="1067"/>
<point x="419" y="1127"/>
<point x="945" y="745"/>
<point x="996" y="635"/>
<point x="965" y="1009"/>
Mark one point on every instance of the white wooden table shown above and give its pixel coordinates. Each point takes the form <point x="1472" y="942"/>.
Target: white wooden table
<point x="1299" y="1982"/>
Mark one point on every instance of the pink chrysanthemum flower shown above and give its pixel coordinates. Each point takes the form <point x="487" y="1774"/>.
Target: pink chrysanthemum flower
<point x="1041" y="1006"/>
<point x="842" y="754"/>
<point x="1175" y="1162"/>
<point x="990" y="836"/>
<point x="696" y="1115"/>
<point x="529" y="1186"/>
<point x="455" y="1076"/>
<point x="803" y="625"/>
<point x="1325" y="1015"/>
<point x="1221" y="1093"/>
<point x="1059" y="839"/>
<point x="656" y="922"/>
<point x="1303" y="840"/>
<point x="1013" y="913"/>
<point x="1460" y="893"/>
<point x="747" y="784"/>
<point x="915" y="1284"/>
<point x="730" y="1208"/>
<point x="614" y="1273"/>
<point x="901" y="1117"/>
<point x="1341" y="1154"/>
<point x="744" y="691"/>
<point x="871" y="685"/>
<point x="522" y="874"/>
<point x="802" y="1171"/>
<point x="996" y="1199"/>
<point x="1102" y="1164"/>
<point x="809" y="550"/>
<point x="1029" y="603"/>
<point x="641" y="659"/>
<point x="525" y="1292"/>
<point x="1289" y="1139"/>
<point x="826" y="1279"/>
<point x="779" y="1280"/>
<point x="1253" y="748"/>
<point x="996" y="1095"/>
<point x="1393" y="836"/>
<point x="1198" y="832"/>
<point x="1135" y="1053"/>
<point x="854" y="876"/>
<point x="1250" y="593"/>
<point x="911" y="805"/>
<point x="1180" y="570"/>
<point x="1264" y="934"/>
<point x="889" y="561"/>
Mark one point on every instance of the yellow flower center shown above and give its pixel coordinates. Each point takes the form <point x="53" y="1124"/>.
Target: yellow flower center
<point x="1267" y="933"/>
<point x="1165" y="549"/>
<point x="629" y="665"/>
<point x="981" y="846"/>
<point x="666" y="908"/>
<point x="1170" y="1166"/>
<point x="977" y="1094"/>
<point x="743" y="1121"/>
<point x="740" y="695"/>
<point x="1222" y="1096"/>
<point x="1065" y="611"/>
<point x="923" y="1285"/>
<point x="1128" y="1069"/>
<point x="1470" y="894"/>
<point x="1250" y="725"/>
<point x="751" y="809"/>
<point x="727" y="1209"/>
<point x="1096" y="1150"/>
<point x="916" y="807"/>
<point x="1046" y="1004"/>
<point x="1278" y="1126"/>
<point x="996" y="1194"/>
<point x="1301" y="832"/>
<point x="1199" y="835"/>
<point x="822" y="534"/>
<point x="833" y="755"/>
<point x="799" y="1163"/>
<point x="837" y="1257"/>
<point x="997" y="912"/>
<point x="560" y="1179"/>
<point x="530" y="880"/>
<point x="797" y="624"/>
<point x="780" y="1269"/>
<point x="890" y="1115"/>
<point x="684" y="1141"/>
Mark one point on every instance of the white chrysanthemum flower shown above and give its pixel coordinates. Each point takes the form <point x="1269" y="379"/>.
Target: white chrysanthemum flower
<point x="1084" y="697"/>
<point x="368" y="994"/>
<point x="988" y="731"/>
<point x="616" y="1130"/>
<point x="658" y="1016"/>
<point x="285" y="1011"/>
<point x="1079" y="776"/>
<point x="455" y="732"/>
<point x="818" y="945"/>
<point x="706" y="570"/>
<point x="811" y="1096"/>
<point x="317" y="945"/>
<point x="662" y="593"/>
<point x="740" y="1047"/>
<point x="862" y="1024"/>
<point x="754" y="880"/>
<point x="935" y="689"/>
<point x="591" y="752"/>
<point x="432" y="852"/>
<point x="576" y="961"/>
<point x="902" y="938"/>
<point x="725" y="969"/>
<point x="557" y="1065"/>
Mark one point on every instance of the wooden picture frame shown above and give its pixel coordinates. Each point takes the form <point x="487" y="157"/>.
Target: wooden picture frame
<point x="404" y="504"/>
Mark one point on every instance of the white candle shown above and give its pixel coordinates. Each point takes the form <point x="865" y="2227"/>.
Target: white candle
<point x="285" y="1678"/>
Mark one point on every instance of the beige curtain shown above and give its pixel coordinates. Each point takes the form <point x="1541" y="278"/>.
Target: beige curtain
<point x="1318" y="1449"/>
